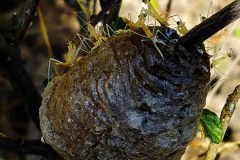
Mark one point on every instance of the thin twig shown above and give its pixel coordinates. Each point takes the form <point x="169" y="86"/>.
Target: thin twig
<point x="168" y="8"/>
<point x="103" y="12"/>
<point x="113" y="13"/>
<point x="24" y="20"/>
<point x="225" y="118"/>
<point x="211" y="25"/>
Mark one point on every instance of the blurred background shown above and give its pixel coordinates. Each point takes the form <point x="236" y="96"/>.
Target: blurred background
<point x="62" y="25"/>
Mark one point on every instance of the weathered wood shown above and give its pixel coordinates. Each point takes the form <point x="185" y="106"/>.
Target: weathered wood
<point x="212" y="25"/>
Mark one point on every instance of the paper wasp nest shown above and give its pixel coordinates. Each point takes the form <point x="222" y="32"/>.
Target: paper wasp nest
<point x="124" y="102"/>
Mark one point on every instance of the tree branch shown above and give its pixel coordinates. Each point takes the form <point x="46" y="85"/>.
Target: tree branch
<point x="24" y="20"/>
<point x="113" y="13"/>
<point x="111" y="16"/>
<point x="212" y="25"/>
<point x="28" y="147"/>
<point x="103" y="12"/>
<point x="11" y="63"/>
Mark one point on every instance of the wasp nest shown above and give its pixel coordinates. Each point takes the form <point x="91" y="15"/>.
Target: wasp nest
<point x="124" y="101"/>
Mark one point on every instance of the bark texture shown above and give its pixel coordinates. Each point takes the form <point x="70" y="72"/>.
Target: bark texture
<point x="123" y="101"/>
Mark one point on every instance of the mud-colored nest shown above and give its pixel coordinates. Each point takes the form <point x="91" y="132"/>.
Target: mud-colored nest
<point x="123" y="101"/>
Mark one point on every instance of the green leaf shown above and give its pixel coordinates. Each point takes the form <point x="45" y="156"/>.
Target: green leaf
<point x="212" y="126"/>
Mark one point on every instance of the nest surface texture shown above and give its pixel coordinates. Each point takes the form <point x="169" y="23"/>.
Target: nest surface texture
<point x="123" y="101"/>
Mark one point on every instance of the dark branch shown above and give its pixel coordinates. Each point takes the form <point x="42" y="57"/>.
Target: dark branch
<point x="212" y="25"/>
<point x="111" y="16"/>
<point x="28" y="147"/>
<point x="113" y="13"/>
<point x="104" y="11"/>
<point x="11" y="63"/>
<point x="24" y="20"/>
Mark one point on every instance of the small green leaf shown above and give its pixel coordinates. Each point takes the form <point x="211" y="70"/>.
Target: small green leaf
<point x="212" y="126"/>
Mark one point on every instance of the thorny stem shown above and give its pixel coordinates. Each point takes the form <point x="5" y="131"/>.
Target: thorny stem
<point x="211" y="25"/>
<point x="225" y="118"/>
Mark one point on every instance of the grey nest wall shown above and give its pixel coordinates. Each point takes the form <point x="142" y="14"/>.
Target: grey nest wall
<point x="123" y="101"/>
